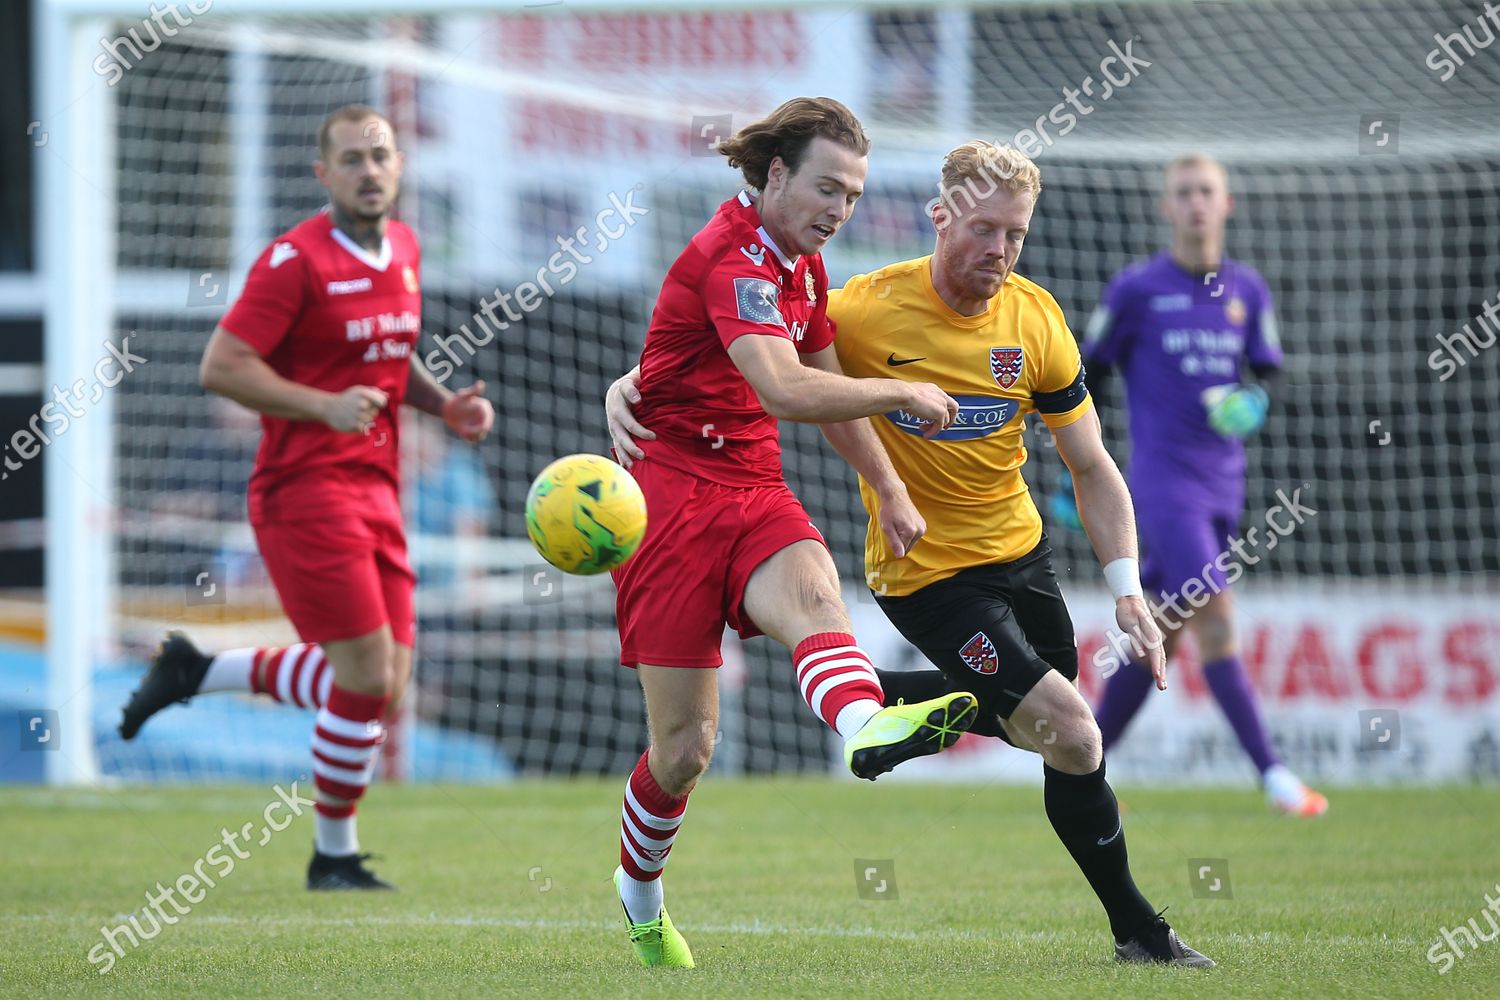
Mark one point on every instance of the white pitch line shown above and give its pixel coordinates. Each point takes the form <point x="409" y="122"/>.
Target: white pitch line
<point x="756" y="928"/>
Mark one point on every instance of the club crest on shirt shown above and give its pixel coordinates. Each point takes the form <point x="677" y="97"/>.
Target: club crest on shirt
<point x="812" y="288"/>
<point x="979" y="655"/>
<point x="409" y="278"/>
<point x="1005" y="365"/>
<point x="1235" y="312"/>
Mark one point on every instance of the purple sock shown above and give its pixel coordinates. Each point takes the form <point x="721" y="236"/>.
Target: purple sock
<point x="1124" y="692"/>
<point x="1230" y="684"/>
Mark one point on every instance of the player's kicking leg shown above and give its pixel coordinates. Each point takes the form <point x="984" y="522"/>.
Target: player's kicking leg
<point x="793" y="596"/>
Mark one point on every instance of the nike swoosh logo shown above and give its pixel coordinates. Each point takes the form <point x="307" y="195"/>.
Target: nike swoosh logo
<point x="1106" y="841"/>
<point x="907" y="361"/>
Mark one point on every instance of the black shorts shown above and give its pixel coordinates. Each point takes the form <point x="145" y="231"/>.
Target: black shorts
<point x="994" y="630"/>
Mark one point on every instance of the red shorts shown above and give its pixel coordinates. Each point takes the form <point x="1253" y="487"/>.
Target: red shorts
<point x="703" y="540"/>
<point x="343" y="575"/>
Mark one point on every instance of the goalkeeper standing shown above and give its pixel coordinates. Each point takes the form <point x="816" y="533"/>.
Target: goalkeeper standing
<point x="1181" y="327"/>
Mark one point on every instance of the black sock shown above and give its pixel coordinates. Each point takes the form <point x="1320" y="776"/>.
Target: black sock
<point x="921" y="685"/>
<point x="1084" y="813"/>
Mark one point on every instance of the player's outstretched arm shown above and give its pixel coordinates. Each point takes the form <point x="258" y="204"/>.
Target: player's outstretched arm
<point x="235" y="370"/>
<point x="860" y="446"/>
<point x="789" y="390"/>
<point x="624" y="429"/>
<point x="1109" y="518"/>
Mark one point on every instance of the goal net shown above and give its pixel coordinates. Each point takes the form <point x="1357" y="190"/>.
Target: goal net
<point x="1367" y="196"/>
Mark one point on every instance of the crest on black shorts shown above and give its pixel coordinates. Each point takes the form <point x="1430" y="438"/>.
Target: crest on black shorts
<point x="979" y="655"/>
<point x="1005" y="365"/>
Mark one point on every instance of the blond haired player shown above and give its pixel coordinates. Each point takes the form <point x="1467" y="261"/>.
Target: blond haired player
<point x="978" y="594"/>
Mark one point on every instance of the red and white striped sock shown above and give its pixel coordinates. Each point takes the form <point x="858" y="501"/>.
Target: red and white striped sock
<point x="838" y="681"/>
<point x="296" y="675"/>
<point x="648" y="827"/>
<point x="231" y="670"/>
<point x="345" y="744"/>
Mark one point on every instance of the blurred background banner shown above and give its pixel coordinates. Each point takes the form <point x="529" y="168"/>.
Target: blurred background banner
<point x="557" y="161"/>
<point x="1359" y="686"/>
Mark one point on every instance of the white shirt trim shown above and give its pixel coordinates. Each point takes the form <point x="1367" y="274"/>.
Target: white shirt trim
<point x="790" y="263"/>
<point x="360" y="253"/>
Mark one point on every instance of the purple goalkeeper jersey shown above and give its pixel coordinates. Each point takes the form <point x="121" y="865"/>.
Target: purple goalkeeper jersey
<point x="1174" y="334"/>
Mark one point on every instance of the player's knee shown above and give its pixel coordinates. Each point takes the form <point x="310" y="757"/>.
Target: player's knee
<point x="373" y="666"/>
<point x="1081" y="753"/>
<point x="684" y="758"/>
<point x="825" y="609"/>
<point x="1075" y="746"/>
<point x="400" y="675"/>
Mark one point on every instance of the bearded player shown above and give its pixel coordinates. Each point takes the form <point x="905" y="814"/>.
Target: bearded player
<point x="320" y="343"/>
<point x="1182" y="327"/>
<point x="978" y="595"/>
<point x="739" y="339"/>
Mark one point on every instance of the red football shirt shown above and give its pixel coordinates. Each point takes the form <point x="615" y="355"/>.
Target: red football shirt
<point x="732" y="280"/>
<point x="325" y="312"/>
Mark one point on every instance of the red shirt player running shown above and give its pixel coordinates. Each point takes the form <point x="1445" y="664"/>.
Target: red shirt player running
<point x="321" y="344"/>
<point x="740" y="337"/>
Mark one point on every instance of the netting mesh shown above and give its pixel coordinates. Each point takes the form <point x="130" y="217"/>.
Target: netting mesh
<point x="519" y="128"/>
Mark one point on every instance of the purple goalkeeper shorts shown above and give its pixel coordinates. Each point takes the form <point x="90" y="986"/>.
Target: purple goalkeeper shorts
<point x="1182" y="542"/>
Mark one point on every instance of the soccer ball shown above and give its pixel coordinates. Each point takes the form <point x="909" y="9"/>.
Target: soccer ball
<point x="585" y="514"/>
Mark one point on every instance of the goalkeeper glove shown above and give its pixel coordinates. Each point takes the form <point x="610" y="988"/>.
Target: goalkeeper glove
<point x="1235" y="411"/>
<point x="1062" y="506"/>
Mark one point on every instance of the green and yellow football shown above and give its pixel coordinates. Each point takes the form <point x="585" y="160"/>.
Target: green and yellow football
<point x="585" y="514"/>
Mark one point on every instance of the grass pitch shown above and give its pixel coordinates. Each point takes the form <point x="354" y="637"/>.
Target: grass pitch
<point x="505" y="892"/>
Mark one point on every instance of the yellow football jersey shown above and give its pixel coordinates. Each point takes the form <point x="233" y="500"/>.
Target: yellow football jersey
<point x="1016" y="358"/>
